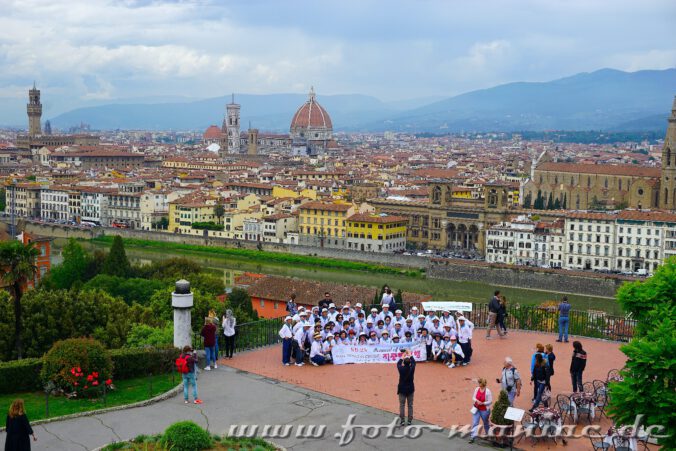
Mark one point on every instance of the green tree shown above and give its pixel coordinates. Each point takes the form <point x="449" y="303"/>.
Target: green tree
<point x="6" y="328"/>
<point x="3" y="199"/>
<point x="550" y="202"/>
<point x="240" y="300"/>
<point x="539" y="201"/>
<point x="528" y="200"/>
<point x="172" y="269"/>
<point x="557" y="204"/>
<point x="219" y="210"/>
<point x="596" y="204"/>
<point x="130" y="290"/>
<point x="162" y="223"/>
<point x="565" y="201"/>
<point x="18" y="265"/>
<point x="72" y="269"/>
<point x="116" y="262"/>
<point x="142" y="335"/>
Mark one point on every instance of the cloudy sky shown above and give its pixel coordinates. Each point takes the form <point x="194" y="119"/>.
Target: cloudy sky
<point x="98" y="50"/>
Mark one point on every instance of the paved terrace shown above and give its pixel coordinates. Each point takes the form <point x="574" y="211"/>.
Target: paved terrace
<point x="254" y="388"/>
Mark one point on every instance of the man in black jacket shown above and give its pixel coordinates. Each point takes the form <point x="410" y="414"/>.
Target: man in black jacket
<point x="493" y="308"/>
<point x="405" y="388"/>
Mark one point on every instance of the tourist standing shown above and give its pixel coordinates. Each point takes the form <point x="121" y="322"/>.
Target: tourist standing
<point x="291" y="305"/>
<point x="549" y="355"/>
<point x="510" y="380"/>
<point x="229" y="324"/>
<point x="18" y="429"/>
<point x="493" y="308"/>
<point x="387" y="298"/>
<point x="540" y="378"/>
<point x="481" y="408"/>
<point x="189" y="377"/>
<point x="406" y="387"/>
<point x="286" y="334"/>
<point x="564" y="311"/>
<point x="465" y="339"/>
<point x="214" y="319"/>
<point x="208" y="333"/>
<point x="324" y="303"/>
<point x="539" y="351"/>
<point x="577" y="365"/>
<point x="502" y="314"/>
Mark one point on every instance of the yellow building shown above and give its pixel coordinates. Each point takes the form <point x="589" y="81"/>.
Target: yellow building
<point x="323" y="223"/>
<point x="376" y="233"/>
<point x="186" y="210"/>
<point x="281" y="192"/>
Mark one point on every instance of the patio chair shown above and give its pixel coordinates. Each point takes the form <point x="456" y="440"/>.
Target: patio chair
<point x="644" y="439"/>
<point x="601" y="403"/>
<point x="621" y="444"/>
<point x="598" y="443"/>
<point x="529" y="426"/>
<point x="588" y="387"/>
<point x="599" y="386"/>
<point x="585" y="410"/>
<point x="613" y="374"/>
<point x="563" y="405"/>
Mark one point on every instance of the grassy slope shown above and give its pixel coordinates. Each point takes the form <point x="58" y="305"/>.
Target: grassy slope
<point x="126" y="392"/>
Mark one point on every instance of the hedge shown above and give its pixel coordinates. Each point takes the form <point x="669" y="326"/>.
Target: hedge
<point x="20" y="375"/>
<point x="24" y="375"/>
<point x="135" y="362"/>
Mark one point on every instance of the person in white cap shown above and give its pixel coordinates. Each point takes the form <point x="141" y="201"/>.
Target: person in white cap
<point x="317" y="356"/>
<point x="385" y="338"/>
<point x="370" y="326"/>
<point x="408" y="326"/>
<point x="436" y="328"/>
<point x="437" y="348"/>
<point x="448" y="331"/>
<point x="413" y="313"/>
<point x="398" y="318"/>
<point x="314" y="314"/>
<point x="360" y="322"/>
<point x="363" y="338"/>
<point x="446" y="348"/>
<point x="332" y="311"/>
<point x="324" y="316"/>
<point x="286" y="334"/>
<point x="300" y="338"/>
<point x="385" y="312"/>
<point x="510" y="380"/>
<point x="422" y="322"/>
<point x="374" y="315"/>
<point x="327" y="346"/>
<point x="357" y="309"/>
<point x="296" y="317"/>
<point x="465" y="339"/>
<point x="302" y="318"/>
<point x="373" y="338"/>
<point x="455" y="353"/>
<point x="430" y="317"/>
<point x="446" y="318"/>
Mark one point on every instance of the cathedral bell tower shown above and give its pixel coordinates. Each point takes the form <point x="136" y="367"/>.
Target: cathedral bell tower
<point x="668" y="180"/>
<point x="231" y="126"/>
<point x="34" y="109"/>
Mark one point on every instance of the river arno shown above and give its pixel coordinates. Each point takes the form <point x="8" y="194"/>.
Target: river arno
<point x="228" y="268"/>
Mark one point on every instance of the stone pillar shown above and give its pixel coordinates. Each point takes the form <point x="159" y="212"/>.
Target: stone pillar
<point x="182" y="302"/>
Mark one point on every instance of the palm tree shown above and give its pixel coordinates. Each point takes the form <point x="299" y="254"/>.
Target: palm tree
<point x="17" y="262"/>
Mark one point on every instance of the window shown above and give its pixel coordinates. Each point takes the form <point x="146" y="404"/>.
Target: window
<point x="262" y="302"/>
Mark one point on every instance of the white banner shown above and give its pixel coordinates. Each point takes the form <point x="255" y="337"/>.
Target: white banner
<point x="450" y="305"/>
<point x="384" y="353"/>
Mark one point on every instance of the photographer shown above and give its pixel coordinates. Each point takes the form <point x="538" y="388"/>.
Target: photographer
<point x="510" y="380"/>
<point x="405" y="388"/>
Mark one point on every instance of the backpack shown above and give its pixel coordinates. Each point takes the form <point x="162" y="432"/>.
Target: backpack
<point x="182" y="364"/>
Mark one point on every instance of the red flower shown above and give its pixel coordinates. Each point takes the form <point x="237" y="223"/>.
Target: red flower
<point x="95" y="374"/>
<point x="79" y="370"/>
<point x="86" y="387"/>
<point x="72" y="371"/>
<point x="76" y="384"/>
<point x="95" y="383"/>
<point x="90" y="378"/>
<point x="109" y="382"/>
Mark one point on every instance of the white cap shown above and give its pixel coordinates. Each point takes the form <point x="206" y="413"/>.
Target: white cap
<point x="346" y="307"/>
<point x="461" y="318"/>
<point x="414" y="308"/>
<point x="385" y="332"/>
<point x="302" y="313"/>
<point x="332" y="305"/>
<point x="394" y="335"/>
<point x="409" y="319"/>
<point x="306" y="324"/>
<point x="397" y="311"/>
<point x="374" y="309"/>
<point x="369" y="321"/>
<point x="316" y="307"/>
<point x="358" y="305"/>
<point x="446" y="311"/>
<point x="386" y="305"/>
<point x="287" y="318"/>
<point x="329" y="335"/>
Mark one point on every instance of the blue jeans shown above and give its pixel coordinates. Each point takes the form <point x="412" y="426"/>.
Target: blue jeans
<point x="318" y="359"/>
<point x="189" y="378"/>
<point x="511" y="395"/>
<point x="540" y="387"/>
<point x="286" y="350"/>
<point x="210" y="354"/>
<point x="300" y="354"/>
<point x="480" y="415"/>
<point x="563" y="328"/>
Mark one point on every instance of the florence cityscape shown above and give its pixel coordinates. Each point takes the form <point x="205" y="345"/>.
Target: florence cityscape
<point x="274" y="225"/>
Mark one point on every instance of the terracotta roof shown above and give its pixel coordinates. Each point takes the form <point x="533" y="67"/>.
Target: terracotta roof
<point x="604" y="169"/>
<point x="213" y="132"/>
<point x="643" y="215"/>
<point x="311" y="115"/>
<point x="436" y="173"/>
<point x="309" y="292"/>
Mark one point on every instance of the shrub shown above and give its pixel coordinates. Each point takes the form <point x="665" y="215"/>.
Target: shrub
<point x="85" y="355"/>
<point x="20" y="375"/>
<point x="186" y="436"/>
<point x="131" y="363"/>
<point x="207" y="226"/>
<point x="499" y="409"/>
<point x="142" y="335"/>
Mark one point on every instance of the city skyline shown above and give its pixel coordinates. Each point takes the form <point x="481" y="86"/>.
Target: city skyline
<point x="421" y="50"/>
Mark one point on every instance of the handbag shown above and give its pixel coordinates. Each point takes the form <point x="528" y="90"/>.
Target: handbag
<point x="473" y="410"/>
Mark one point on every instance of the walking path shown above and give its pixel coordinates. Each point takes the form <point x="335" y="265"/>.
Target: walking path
<point x="234" y="397"/>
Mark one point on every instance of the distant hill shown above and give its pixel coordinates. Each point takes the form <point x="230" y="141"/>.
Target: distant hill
<point x="607" y="99"/>
<point x="266" y="112"/>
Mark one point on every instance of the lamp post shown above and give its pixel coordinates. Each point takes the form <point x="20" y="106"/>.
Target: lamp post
<point x="182" y="303"/>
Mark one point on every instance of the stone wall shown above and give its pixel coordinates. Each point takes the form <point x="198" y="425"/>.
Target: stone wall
<point x="459" y="270"/>
<point x="552" y="280"/>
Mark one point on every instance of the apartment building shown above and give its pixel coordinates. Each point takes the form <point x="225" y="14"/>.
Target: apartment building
<point x="376" y="233"/>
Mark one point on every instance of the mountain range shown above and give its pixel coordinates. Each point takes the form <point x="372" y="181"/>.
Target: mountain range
<point x="606" y="99"/>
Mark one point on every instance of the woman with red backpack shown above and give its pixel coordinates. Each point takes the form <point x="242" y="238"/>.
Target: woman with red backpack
<point x="185" y="364"/>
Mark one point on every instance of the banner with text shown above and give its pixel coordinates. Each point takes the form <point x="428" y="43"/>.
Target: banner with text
<point x="433" y="306"/>
<point x="382" y="353"/>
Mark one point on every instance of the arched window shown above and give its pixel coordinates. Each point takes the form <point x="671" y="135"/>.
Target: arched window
<point x="436" y="195"/>
<point x="605" y="183"/>
<point x="668" y="156"/>
<point x="666" y="196"/>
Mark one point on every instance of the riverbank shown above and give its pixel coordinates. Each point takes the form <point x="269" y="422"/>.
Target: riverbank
<point x="228" y="266"/>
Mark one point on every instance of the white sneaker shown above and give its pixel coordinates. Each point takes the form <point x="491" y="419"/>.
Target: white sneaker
<point x="313" y="363"/>
<point x="287" y="364"/>
<point x="208" y="368"/>
<point x="215" y="365"/>
<point x="452" y="365"/>
<point x="464" y="364"/>
<point x="299" y="364"/>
